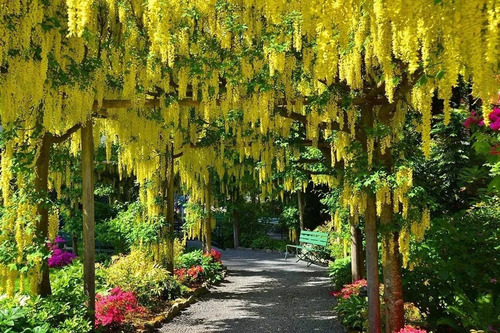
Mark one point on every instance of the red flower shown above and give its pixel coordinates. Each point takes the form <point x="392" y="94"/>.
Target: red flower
<point x="214" y="254"/>
<point x="495" y="150"/>
<point x="190" y="275"/>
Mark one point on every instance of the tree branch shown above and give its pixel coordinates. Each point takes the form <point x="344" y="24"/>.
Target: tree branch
<point x="309" y="160"/>
<point x="65" y="136"/>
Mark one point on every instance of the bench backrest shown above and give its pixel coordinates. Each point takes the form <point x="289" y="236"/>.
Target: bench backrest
<point x="313" y="237"/>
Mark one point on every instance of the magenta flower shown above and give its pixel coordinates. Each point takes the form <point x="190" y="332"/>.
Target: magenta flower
<point x="473" y="119"/>
<point x="494" y="118"/>
<point x="411" y="329"/>
<point x="59" y="258"/>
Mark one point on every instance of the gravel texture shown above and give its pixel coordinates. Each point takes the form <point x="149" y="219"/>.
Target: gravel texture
<point x="263" y="293"/>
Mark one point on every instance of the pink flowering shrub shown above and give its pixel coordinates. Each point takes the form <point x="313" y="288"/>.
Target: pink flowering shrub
<point x="473" y="119"/>
<point x="494" y="118"/>
<point x="115" y="308"/>
<point x="59" y="258"/>
<point x="350" y="289"/>
<point x="411" y="329"/>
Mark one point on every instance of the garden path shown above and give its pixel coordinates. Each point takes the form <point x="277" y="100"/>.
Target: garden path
<point x="262" y="293"/>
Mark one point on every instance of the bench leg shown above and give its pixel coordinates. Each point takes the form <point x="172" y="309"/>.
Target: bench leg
<point x="286" y="252"/>
<point x="301" y="256"/>
<point x="298" y="255"/>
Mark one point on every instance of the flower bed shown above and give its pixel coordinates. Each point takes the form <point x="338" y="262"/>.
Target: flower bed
<point x="144" y="294"/>
<point x="113" y="310"/>
<point x="133" y="294"/>
<point x="352" y="307"/>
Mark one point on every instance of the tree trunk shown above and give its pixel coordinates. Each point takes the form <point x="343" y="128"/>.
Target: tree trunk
<point x="207" y="246"/>
<point x="170" y="208"/>
<point x="302" y="206"/>
<point x="88" y="216"/>
<point x="357" y="260"/>
<point x="374" y="321"/>
<point x="42" y="208"/>
<point x="391" y="264"/>
<point x="236" y="228"/>
<point x="74" y="245"/>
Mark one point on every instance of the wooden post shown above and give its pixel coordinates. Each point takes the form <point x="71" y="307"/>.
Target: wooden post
<point x="302" y="206"/>
<point x="208" y="220"/>
<point x="42" y="209"/>
<point x="170" y="208"/>
<point x="374" y="321"/>
<point x="88" y="216"/>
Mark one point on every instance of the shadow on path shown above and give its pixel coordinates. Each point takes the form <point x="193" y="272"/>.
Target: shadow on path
<point x="263" y="293"/>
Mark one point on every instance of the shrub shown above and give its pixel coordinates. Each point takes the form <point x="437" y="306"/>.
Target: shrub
<point x="411" y="329"/>
<point x="129" y="227"/>
<point x="340" y="272"/>
<point x="137" y="273"/>
<point x="189" y="276"/>
<point x="266" y="242"/>
<point x="62" y="312"/>
<point x="352" y="307"/>
<point x="215" y="255"/>
<point x="16" y="319"/>
<point x="352" y="289"/>
<point x="65" y="309"/>
<point x="353" y="312"/>
<point x="451" y="279"/>
<point x="113" y="309"/>
<point x="212" y="268"/>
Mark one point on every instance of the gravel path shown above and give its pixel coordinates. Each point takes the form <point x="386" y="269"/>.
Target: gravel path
<point x="262" y="293"/>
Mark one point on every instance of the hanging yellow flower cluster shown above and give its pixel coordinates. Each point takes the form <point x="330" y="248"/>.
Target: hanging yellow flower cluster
<point x="404" y="182"/>
<point x="18" y="227"/>
<point x="417" y="230"/>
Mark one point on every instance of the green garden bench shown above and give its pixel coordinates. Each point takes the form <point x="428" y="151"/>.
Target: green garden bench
<point x="312" y="246"/>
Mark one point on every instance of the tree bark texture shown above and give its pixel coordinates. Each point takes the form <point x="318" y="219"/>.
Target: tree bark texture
<point x="357" y="258"/>
<point x="374" y="321"/>
<point x="391" y="265"/>
<point x="42" y="208"/>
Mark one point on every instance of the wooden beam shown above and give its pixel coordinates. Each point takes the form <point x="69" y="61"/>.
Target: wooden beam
<point x="189" y="102"/>
<point x="149" y="103"/>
